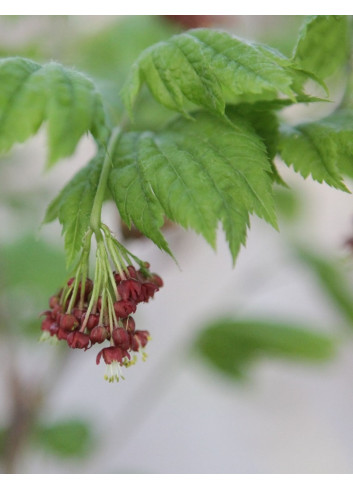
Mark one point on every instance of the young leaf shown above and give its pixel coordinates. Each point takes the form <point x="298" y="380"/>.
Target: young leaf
<point x="263" y="118"/>
<point x="231" y="345"/>
<point x="71" y="438"/>
<point x="208" y="68"/>
<point x="322" y="148"/>
<point x="31" y="93"/>
<point x="73" y="206"/>
<point x="196" y="173"/>
<point x="323" y="44"/>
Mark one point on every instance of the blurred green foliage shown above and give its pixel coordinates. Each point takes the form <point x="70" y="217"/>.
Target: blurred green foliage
<point x="31" y="271"/>
<point x="69" y="438"/>
<point x="232" y="345"/>
<point x="108" y="56"/>
<point x="283" y="33"/>
<point x="32" y="263"/>
<point x="110" y="52"/>
<point x="331" y="276"/>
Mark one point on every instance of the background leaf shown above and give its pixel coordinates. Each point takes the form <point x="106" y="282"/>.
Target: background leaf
<point x="196" y="173"/>
<point x="108" y="56"/>
<point x="330" y="275"/>
<point x="31" y="93"/>
<point x="231" y="345"/>
<point x="31" y="271"/>
<point x="69" y="438"/>
<point x="19" y="265"/>
<point x="323" y="44"/>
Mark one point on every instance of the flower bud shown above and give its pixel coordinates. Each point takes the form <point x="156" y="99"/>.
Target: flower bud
<point x="98" y="334"/>
<point x="76" y="339"/>
<point x="139" y="340"/>
<point x="121" y="338"/>
<point x="124" y="308"/>
<point x="68" y="322"/>
<point x="156" y="279"/>
<point x="46" y="323"/>
<point x="53" y="301"/>
<point x="62" y="334"/>
<point x="142" y="336"/>
<point x="47" y="313"/>
<point x="132" y="271"/>
<point x="134" y="342"/>
<point x="88" y="288"/>
<point x="129" y="289"/>
<point x="117" y="278"/>
<point x="129" y="324"/>
<point x="53" y="329"/>
<point x="148" y="291"/>
<point x="92" y="321"/>
<point x="78" y="313"/>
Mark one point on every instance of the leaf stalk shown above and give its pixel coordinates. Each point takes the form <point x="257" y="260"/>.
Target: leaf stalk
<point x="95" y="221"/>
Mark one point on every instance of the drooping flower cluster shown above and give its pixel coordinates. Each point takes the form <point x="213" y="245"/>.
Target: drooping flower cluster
<point x="101" y="310"/>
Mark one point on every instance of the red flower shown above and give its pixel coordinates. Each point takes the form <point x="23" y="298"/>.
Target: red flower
<point x="76" y="339"/>
<point x="130" y="289"/>
<point x="124" y="308"/>
<point x="68" y="322"/>
<point x="129" y="324"/>
<point x="103" y="313"/>
<point x="98" y="334"/>
<point x="46" y="323"/>
<point x="53" y="329"/>
<point x="112" y="354"/>
<point x="139" y="340"/>
<point x="121" y="338"/>
<point x="156" y="279"/>
<point x="148" y="291"/>
<point x="92" y="321"/>
<point x="62" y="334"/>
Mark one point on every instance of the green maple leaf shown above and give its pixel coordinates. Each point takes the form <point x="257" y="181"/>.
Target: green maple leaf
<point x="73" y="206"/>
<point x="209" y="68"/>
<point x="322" y="149"/>
<point x="31" y="93"/>
<point x="196" y="173"/>
<point x="323" y="44"/>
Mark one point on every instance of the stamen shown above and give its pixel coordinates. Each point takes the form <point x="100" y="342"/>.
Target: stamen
<point x="113" y="372"/>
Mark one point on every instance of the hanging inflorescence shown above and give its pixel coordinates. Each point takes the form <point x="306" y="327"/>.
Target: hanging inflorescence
<point x="87" y="311"/>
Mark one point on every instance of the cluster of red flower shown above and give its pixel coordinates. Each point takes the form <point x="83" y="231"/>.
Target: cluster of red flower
<point x="81" y="325"/>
